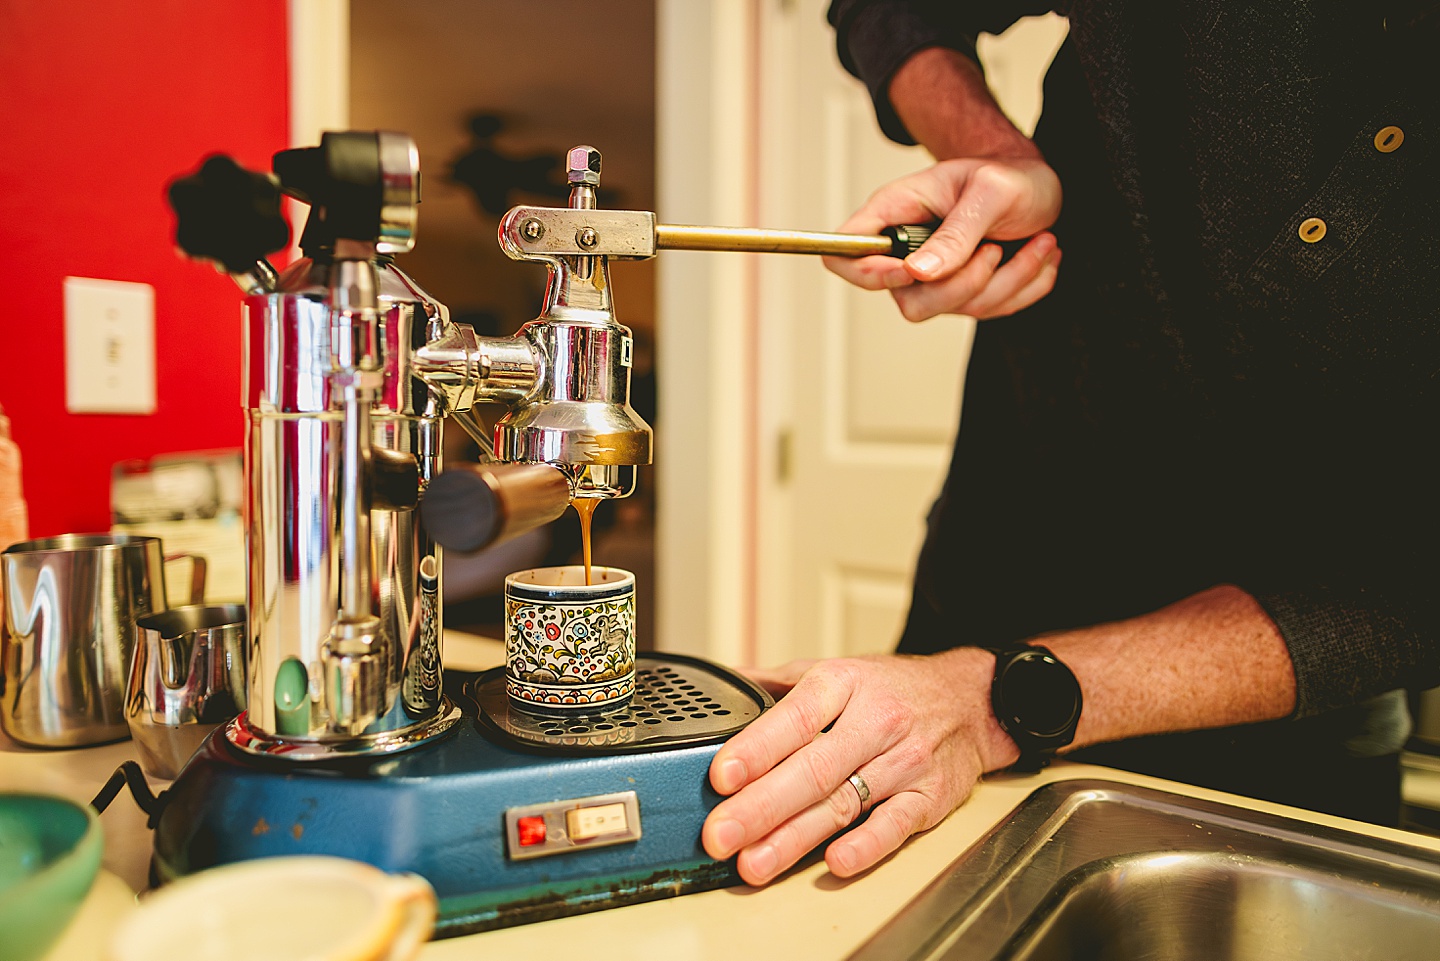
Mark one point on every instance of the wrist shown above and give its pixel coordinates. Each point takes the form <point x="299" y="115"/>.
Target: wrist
<point x="973" y="669"/>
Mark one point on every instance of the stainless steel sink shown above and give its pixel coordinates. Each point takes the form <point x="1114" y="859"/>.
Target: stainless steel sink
<point x="1100" y="870"/>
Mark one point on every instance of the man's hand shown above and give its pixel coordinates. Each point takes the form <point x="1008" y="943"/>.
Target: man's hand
<point x="955" y="271"/>
<point x="918" y="730"/>
<point x="992" y="183"/>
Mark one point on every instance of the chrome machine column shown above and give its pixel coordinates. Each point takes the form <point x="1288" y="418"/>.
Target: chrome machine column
<point x="295" y="538"/>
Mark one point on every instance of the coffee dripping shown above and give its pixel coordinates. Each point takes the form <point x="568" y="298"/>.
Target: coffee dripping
<point x="585" y="510"/>
<point x="356" y="742"/>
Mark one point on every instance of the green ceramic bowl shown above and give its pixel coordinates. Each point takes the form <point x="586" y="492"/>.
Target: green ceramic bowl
<point x="49" y="854"/>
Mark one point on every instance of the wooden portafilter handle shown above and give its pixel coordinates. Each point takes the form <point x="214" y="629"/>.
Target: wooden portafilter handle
<point x="470" y="507"/>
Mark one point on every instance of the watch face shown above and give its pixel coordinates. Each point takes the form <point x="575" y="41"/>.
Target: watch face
<point x="1041" y="695"/>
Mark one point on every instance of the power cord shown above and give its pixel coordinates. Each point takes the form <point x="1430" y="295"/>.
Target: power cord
<point x="129" y="773"/>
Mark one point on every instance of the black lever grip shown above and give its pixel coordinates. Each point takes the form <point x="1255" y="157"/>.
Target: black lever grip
<point x="228" y="214"/>
<point x="905" y="239"/>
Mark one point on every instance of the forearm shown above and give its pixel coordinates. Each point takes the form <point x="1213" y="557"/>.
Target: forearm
<point x="1214" y="659"/>
<point x="918" y="731"/>
<point x="942" y="98"/>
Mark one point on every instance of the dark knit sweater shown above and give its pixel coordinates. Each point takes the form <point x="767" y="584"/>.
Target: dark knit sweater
<point x="1205" y="398"/>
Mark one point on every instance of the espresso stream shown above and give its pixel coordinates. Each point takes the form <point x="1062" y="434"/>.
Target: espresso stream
<point x="585" y="507"/>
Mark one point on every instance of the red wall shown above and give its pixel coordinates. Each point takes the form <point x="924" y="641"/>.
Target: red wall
<point x="101" y="103"/>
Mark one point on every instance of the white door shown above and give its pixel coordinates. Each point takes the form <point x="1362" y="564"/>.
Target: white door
<point x="873" y="400"/>
<point x="805" y="426"/>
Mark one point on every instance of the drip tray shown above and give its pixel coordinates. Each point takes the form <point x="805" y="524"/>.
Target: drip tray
<point x="679" y="702"/>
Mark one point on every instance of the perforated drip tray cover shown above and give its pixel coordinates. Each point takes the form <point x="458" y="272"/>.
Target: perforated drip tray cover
<point x="679" y="702"/>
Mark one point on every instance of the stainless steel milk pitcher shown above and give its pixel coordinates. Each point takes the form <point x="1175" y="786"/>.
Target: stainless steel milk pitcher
<point x="187" y="676"/>
<point x="68" y="633"/>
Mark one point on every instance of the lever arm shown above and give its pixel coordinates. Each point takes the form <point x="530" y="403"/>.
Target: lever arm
<point x="898" y="241"/>
<point x="548" y="233"/>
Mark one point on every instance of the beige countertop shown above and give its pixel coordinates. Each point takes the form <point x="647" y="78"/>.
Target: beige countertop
<point x="807" y="913"/>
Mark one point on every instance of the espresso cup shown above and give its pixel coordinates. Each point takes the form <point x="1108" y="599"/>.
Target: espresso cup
<point x="306" y="908"/>
<point x="187" y="677"/>
<point x="68" y="632"/>
<point x="570" y="646"/>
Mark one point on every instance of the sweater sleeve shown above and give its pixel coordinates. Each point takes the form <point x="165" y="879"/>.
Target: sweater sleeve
<point x="1350" y="644"/>
<point x="875" y="37"/>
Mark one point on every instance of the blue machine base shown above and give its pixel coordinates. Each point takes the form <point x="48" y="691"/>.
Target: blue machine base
<point x="438" y="811"/>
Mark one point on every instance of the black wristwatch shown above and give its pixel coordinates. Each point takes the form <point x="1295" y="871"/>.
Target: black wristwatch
<point x="1036" y="699"/>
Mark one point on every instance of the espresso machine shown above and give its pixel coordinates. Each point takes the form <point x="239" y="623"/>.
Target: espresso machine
<point x="354" y="742"/>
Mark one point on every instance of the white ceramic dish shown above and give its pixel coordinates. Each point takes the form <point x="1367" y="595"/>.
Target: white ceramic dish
<point x="295" y="908"/>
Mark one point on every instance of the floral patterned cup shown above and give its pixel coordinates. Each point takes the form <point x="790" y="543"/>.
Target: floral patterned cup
<point x="570" y="646"/>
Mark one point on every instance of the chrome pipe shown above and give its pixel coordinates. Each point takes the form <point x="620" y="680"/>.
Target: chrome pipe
<point x="355" y="370"/>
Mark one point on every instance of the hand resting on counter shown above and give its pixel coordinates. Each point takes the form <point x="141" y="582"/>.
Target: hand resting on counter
<point x="920" y="732"/>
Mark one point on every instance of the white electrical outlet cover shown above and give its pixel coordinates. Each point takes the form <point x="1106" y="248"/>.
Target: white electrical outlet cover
<point x="109" y="347"/>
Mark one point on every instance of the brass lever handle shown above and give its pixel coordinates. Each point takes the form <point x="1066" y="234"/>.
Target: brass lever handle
<point x="900" y="241"/>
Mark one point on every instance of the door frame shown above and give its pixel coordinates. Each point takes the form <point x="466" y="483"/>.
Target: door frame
<point x="318" y="47"/>
<point x="708" y="360"/>
<point x="319" y="54"/>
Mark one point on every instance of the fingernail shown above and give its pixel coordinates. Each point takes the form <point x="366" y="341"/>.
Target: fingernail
<point x="924" y="262"/>
<point x="763" y="861"/>
<point x="730" y="776"/>
<point x="729" y="835"/>
<point x="844" y="855"/>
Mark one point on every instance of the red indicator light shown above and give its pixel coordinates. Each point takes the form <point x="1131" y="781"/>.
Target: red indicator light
<point x="531" y="830"/>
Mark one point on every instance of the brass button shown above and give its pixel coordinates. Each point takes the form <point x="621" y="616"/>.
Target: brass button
<point x="1389" y="138"/>
<point x="1312" y="229"/>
